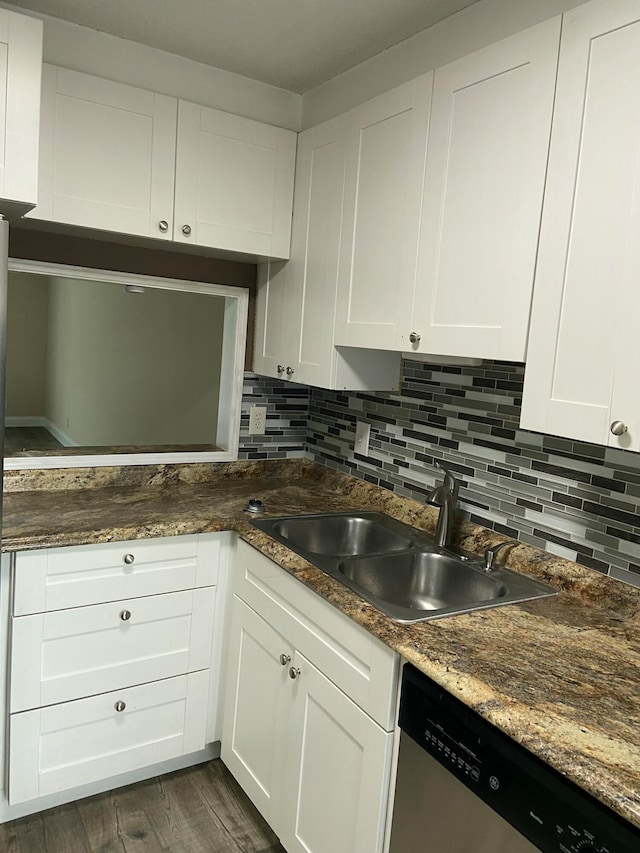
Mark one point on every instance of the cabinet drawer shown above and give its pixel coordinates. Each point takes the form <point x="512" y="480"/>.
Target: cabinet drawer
<point x="355" y="661"/>
<point x="57" y="578"/>
<point x="87" y="650"/>
<point x="65" y="746"/>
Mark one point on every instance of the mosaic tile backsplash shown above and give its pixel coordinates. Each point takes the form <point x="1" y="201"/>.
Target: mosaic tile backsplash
<point x="579" y="501"/>
<point x="287" y="417"/>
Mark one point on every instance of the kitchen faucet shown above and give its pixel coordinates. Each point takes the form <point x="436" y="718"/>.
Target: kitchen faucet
<point x="445" y="497"/>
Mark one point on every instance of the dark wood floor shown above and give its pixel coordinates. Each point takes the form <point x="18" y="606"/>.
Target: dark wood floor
<point x="199" y="810"/>
<point x="20" y="439"/>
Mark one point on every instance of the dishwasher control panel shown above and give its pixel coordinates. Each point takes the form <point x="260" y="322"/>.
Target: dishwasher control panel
<point x="545" y="807"/>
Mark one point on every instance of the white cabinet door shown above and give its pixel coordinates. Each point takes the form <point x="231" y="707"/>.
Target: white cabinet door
<point x="107" y="155"/>
<point x="383" y="196"/>
<point x="256" y="709"/>
<point x="277" y="321"/>
<point x="337" y="770"/>
<point x="486" y="168"/>
<point x="295" y="304"/>
<point x="584" y="345"/>
<point x="20" y="80"/>
<point x="315" y="247"/>
<point x="296" y="300"/>
<point x="234" y="182"/>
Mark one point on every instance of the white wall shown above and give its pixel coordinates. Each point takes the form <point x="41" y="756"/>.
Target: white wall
<point x="93" y="52"/>
<point x="468" y="30"/>
<point x="133" y="369"/>
<point x="27" y="308"/>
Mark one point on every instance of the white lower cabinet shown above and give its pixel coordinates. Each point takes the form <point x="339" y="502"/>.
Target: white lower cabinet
<point x="315" y="764"/>
<point x="254" y="725"/>
<point x="88" y="650"/>
<point x="114" y="663"/>
<point x="336" y="756"/>
<point x="65" y="746"/>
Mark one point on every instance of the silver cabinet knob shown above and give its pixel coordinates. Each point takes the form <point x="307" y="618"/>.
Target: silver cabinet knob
<point x="294" y="672"/>
<point x="163" y="225"/>
<point x="128" y="558"/>
<point x="414" y="338"/>
<point x="120" y="706"/>
<point x="186" y="230"/>
<point x="280" y="368"/>
<point x="125" y="615"/>
<point x="619" y="428"/>
<point x="290" y="371"/>
<point x="285" y="659"/>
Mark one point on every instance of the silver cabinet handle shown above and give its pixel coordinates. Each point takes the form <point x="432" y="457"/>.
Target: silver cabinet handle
<point x="285" y="659"/>
<point x="414" y="338"/>
<point x="290" y="371"/>
<point x="128" y="558"/>
<point x="294" y="672"/>
<point x="186" y="230"/>
<point x="163" y="225"/>
<point x="619" y="428"/>
<point x="120" y="706"/>
<point x="280" y="368"/>
<point x="125" y="615"/>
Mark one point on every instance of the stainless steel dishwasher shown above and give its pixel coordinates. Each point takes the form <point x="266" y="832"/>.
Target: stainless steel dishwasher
<point x="464" y="786"/>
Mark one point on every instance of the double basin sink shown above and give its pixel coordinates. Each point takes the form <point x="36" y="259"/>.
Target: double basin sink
<point x="397" y="568"/>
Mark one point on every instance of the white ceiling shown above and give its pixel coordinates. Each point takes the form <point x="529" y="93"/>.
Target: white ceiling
<point x="293" y="44"/>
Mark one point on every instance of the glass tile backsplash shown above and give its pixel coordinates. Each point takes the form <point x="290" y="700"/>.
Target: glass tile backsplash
<point x="576" y="500"/>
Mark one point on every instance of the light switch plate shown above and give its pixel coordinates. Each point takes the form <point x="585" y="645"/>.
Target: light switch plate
<point x="363" y="431"/>
<point x="257" y="420"/>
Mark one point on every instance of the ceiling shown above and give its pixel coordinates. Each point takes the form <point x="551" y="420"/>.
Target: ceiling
<point x="293" y="44"/>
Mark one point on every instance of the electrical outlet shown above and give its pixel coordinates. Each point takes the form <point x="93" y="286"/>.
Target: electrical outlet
<point x="363" y="431"/>
<point x="257" y="420"/>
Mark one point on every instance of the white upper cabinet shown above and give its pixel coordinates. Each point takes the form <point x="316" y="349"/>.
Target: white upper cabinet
<point x="320" y="175"/>
<point x="107" y="154"/>
<point x="234" y="182"/>
<point x="277" y="328"/>
<point x="383" y="194"/>
<point x="486" y="166"/>
<point x="584" y="347"/>
<point x="118" y="158"/>
<point x="20" y="81"/>
<point x="443" y="198"/>
<point x="296" y="301"/>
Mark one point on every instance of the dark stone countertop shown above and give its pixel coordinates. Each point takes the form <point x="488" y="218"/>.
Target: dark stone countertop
<point x="559" y="675"/>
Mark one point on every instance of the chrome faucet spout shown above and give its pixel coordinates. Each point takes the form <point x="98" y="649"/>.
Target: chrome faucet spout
<point x="445" y="497"/>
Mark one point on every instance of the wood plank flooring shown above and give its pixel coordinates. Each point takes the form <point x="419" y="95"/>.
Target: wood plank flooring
<point x="23" y="439"/>
<point x="198" y="810"/>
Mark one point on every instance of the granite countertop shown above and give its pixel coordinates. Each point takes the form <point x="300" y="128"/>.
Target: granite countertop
<point x="559" y="675"/>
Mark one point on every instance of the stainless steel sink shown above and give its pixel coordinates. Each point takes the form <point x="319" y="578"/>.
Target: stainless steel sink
<point x="421" y="580"/>
<point x="341" y="535"/>
<point x="397" y="568"/>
